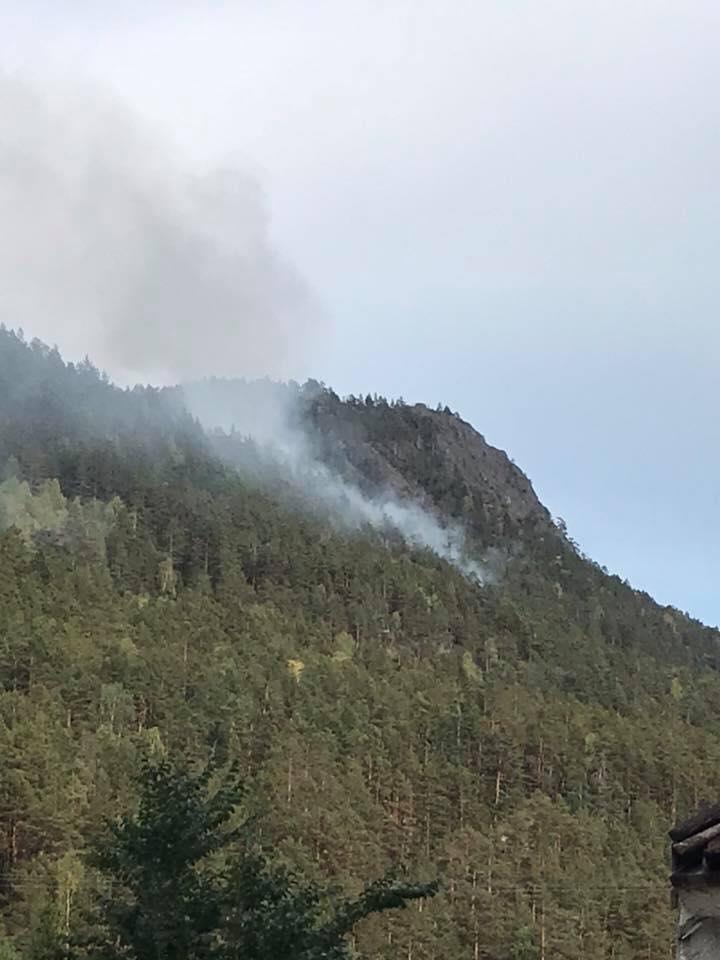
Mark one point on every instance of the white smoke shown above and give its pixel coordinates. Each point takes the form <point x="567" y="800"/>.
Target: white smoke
<point x="267" y="413"/>
<point x="111" y="244"/>
<point x="416" y="524"/>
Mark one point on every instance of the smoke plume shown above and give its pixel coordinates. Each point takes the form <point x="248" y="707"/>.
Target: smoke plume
<point x="109" y="244"/>
<point x="282" y="448"/>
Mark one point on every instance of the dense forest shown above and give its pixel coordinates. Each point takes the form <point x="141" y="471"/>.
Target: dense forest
<point x="525" y="739"/>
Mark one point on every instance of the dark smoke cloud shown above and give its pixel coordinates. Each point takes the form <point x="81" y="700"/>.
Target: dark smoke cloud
<point x="109" y="245"/>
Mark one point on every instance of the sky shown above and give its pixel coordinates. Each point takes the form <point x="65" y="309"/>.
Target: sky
<point x="506" y="206"/>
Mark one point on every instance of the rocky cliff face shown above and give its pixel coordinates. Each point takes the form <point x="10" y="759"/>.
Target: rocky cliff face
<point x="431" y="455"/>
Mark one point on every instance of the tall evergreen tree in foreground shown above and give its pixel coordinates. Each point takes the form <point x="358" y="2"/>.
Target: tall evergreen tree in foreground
<point x="186" y="882"/>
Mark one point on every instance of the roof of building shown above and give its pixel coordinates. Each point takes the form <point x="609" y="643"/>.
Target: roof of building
<point x="696" y="849"/>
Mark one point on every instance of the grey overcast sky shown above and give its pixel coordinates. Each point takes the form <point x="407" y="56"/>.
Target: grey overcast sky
<point x="509" y="206"/>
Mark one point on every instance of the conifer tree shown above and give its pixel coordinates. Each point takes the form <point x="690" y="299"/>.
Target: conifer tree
<point x="186" y="884"/>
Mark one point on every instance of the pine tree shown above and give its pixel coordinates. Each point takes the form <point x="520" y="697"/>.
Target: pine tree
<point x="185" y="883"/>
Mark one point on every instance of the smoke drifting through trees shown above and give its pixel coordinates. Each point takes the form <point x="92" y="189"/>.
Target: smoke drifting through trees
<point x="270" y="414"/>
<point x="110" y="244"/>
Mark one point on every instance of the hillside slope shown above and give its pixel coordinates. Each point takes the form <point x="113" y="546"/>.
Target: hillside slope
<point x="529" y="741"/>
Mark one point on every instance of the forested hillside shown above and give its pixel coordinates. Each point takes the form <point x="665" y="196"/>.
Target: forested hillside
<point x="528" y="740"/>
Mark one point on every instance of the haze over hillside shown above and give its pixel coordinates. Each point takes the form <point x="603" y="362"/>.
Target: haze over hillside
<point x="507" y="208"/>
